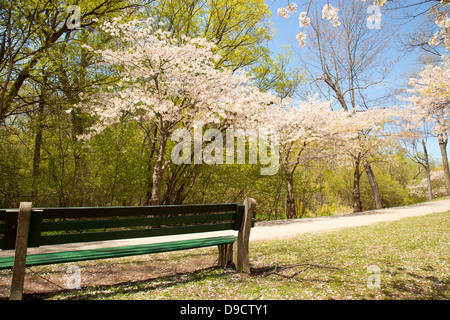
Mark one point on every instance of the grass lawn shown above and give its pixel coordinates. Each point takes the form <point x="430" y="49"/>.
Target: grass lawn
<point x="405" y="259"/>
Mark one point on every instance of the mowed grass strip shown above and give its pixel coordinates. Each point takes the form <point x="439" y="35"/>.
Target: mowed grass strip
<point x="405" y="259"/>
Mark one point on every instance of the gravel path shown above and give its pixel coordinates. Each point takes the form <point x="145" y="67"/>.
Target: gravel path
<point x="270" y="230"/>
<point x="288" y="228"/>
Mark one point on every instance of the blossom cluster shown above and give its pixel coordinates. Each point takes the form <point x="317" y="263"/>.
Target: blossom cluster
<point x="380" y="3"/>
<point x="430" y="97"/>
<point x="301" y="38"/>
<point x="169" y="79"/>
<point x="328" y="12"/>
<point x="443" y="22"/>
<point x="286" y="11"/>
<point x="304" y="20"/>
<point x="420" y="189"/>
<point x="331" y="13"/>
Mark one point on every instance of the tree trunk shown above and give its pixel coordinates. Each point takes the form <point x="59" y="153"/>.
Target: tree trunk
<point x="152" y="143"/>
<point x="443" y="146"/>
<point x="426" y="164"/>
<point x="38" y="142"/>
<point x="373" y="185"/>
<point x="37" y="154"/>
<point x="357" y="205"/>
<point x="148" y="194"/>
<point x="80" y="166"/>
<point x="158" y="170"/>
<point x="290" y="203"/>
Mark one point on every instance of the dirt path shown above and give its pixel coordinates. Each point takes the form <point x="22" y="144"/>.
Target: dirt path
<point x="288" y="228"/>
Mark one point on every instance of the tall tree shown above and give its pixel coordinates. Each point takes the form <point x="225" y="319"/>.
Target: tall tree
<point x="241" y="31"/>
<point x="347" y="61"/>
<point x="429" y="103"/>
<point x="168" y="82"/>
<point x="306" y="130"/>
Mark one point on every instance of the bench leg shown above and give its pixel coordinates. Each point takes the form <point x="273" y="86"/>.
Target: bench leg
<point x="20" y="255"/>
<point x="242" y="244"/>
<point x="225" y="254"/>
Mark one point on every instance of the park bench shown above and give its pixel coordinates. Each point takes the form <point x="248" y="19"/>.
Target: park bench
<point x="29" y="227"/>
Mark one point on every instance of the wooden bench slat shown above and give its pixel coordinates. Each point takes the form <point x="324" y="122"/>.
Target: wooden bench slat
<point x="98" y="212"/>
<point x="2" y="230"/>
<point x="2" y="227"/>
<point x="10" y="230"/>
<point x="128" y="234"/>
<point x="104" y="253"/>
<point x="137" y="222"/>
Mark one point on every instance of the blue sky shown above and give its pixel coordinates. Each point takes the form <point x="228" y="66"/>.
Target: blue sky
<point x="286" y="30"/>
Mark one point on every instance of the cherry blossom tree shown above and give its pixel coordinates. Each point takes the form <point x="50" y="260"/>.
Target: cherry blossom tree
<point x="363" y="146"/>
<point x="436" y="179"/>
<point x="169" y="83"/>
<point x="413" y="142"/>
<point x="311" y="129"/>
<point x="307" y="130"/>
<point x="429" y="103"/>
<point x="346" y="63"/>
<point x="175" y="83"/>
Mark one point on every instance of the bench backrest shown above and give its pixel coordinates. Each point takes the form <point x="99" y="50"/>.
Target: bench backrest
<point x="49" y="226"/>
<point x="2" y="226"/>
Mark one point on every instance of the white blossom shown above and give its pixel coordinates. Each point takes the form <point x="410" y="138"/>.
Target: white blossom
<point x="331" y="13"/>
<point x="291" y="8"/>
<point x="304" y="20"/>
<point x="282" y="12"/>
<point x="301" y="38"/>
<point x="168" y="82"/>
<point x="430" y="97"/>
<point x="380" y="3"/>
<point x="286" y="11"/>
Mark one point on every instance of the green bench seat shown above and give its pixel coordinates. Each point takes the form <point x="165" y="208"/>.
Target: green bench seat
<point x="115" y="252"/>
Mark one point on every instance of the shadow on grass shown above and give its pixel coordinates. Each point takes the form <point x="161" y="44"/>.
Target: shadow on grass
<point x="130" y="287"/>
<point x="112" y="291"/>
<point x="402" y="285"/>
<point x="416" y="286"/>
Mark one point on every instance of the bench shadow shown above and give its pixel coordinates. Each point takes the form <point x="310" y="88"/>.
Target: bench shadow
<point x="130" y="287"/>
